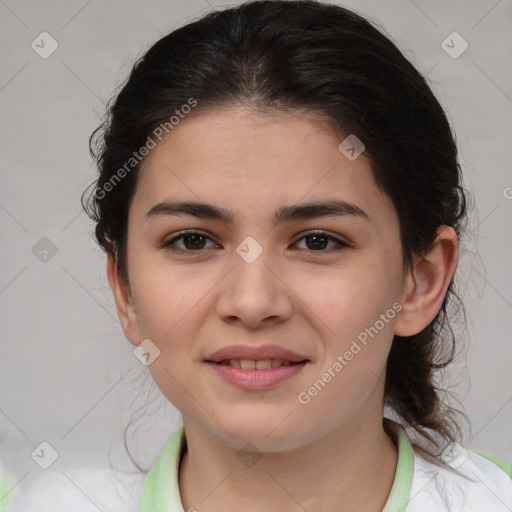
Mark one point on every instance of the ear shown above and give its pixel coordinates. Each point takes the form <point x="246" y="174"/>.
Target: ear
<point x="426" y="283"/>
<point x="124" y="303"/>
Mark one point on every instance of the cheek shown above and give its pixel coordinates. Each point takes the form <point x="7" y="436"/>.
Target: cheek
<point x="336" y="396"/>
<point x="349" y="299"/>
<point x="357" y="344"/>
<point x="170" y="321"/>
<point x="165" y="296"/>
<point x="356" y="314"/>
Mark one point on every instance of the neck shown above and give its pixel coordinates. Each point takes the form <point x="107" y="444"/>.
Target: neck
<point x="338" y="471"/>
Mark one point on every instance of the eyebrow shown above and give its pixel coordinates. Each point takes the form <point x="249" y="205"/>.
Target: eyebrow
<point x="302" y="211"/>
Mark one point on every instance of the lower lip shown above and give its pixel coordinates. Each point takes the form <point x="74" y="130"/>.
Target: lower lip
<point x="257" y="379"/>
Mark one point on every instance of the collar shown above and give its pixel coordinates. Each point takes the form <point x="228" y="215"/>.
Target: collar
<point x="161" y="491"/>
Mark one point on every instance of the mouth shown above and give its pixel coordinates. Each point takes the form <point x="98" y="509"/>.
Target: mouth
<point x="256" y="368"/>
<point x="258" y="364"/>
<point x="256" y="375"/>
<point x="251" y="357"/>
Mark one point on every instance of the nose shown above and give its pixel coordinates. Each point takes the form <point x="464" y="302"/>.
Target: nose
<point x="255" y="292"/>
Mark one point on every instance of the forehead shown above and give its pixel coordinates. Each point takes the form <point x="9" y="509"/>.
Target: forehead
<point x="252" y="162"/>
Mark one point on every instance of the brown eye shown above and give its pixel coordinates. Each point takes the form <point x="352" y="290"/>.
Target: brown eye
<point x="192" y="241"/>
<point x="317" y="241"/>
<point x="195" y="242"/>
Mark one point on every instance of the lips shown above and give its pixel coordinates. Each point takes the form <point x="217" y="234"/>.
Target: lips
<point x="257" y="364"/>
<point x="251" y="357"/>
<point x="256" y="368"/>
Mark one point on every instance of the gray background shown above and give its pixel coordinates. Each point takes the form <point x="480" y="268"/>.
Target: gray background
<point x="67" y="374"/>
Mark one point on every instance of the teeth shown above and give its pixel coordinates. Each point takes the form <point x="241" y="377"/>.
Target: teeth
<point x="245" y="364"/>
<point x="263" y="364"/>
<point x="260" y="364"/>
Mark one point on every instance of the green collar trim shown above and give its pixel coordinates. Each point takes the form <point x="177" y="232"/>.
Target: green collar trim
<point x="499" y="462"/>
<point x="8" y="488"/>
<point x="161" y="491"/>
<point x="401" y="489"/>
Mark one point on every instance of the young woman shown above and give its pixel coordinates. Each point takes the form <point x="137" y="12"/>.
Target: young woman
<point x="280" y="201"/>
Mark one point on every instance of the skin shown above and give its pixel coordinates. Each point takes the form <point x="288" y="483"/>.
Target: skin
<point x="334" y="452"/>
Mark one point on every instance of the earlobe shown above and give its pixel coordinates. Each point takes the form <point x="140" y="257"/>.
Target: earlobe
<point x="426" y="284"/>
<point x="124" y="303"/>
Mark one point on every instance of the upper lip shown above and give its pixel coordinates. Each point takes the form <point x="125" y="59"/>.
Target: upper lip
<point x="252" y="353"/>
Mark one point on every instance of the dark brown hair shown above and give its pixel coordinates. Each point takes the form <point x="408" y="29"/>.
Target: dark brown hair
<point x="306" y="55"/>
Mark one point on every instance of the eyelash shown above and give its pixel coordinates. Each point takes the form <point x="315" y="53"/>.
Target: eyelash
<point x="169" y="243"/>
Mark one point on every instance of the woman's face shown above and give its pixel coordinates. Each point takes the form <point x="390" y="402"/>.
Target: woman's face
<point x="256" y="280"/>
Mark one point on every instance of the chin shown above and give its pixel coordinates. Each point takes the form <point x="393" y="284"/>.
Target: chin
<point x="267" y="434"/>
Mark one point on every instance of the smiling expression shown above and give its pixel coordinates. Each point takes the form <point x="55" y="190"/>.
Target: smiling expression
<point x="289" y="244"/>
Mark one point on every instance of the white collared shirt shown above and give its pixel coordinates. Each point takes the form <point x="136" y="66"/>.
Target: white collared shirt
<point x="471" y="483"/>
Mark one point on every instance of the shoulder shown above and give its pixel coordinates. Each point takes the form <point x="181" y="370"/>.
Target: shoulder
<point x="79" y="489"/>
<point x="470" y="483"/>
